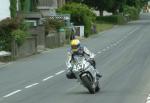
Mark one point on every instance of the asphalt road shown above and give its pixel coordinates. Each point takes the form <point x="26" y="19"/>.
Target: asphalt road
<point x="123" y="58"/>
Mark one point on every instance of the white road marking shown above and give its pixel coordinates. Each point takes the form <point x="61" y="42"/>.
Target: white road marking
<point x="12" y="93"/>
<point x="103" y="50"/>
<point x="47" y="78"/>
<point x="134" y="30"/>
<point x="108" y="47"/>
<point x="99" y="52"/>
<point x="115" y="44"/>
<point x="29" y="86"/>
<point x="59" y="72"/>
<point x="4" y="65"/>
<point x="148" y="99"/>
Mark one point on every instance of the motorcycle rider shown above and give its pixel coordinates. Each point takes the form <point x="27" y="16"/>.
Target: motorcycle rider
<point x="78" y="50"/>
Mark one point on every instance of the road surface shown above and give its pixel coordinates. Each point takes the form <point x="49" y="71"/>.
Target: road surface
<point x="123" y="58"/>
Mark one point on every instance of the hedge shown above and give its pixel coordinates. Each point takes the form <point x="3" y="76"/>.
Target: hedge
<point x="114" y="19"/>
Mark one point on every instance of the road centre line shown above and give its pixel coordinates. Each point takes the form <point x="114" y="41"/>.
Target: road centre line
<point x="29" y="86"/>
<point x="107" y="47"/>
<point x="12" y="93"/>
<point x="103" y="50"/>
<point x="99" y="52"/>
<point x="148" y="99"/>
<point x="60" y="72"/>
<point x="47" y="78"/>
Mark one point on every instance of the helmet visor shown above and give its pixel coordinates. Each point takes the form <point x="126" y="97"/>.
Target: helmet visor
<point x="74" y="46"/>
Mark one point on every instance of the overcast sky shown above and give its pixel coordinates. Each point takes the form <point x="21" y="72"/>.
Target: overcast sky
<point x="4" y="9"/>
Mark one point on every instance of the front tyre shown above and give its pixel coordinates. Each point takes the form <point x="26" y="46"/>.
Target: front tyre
<point x="97" y="88"/>
<point x="87" y="83"/>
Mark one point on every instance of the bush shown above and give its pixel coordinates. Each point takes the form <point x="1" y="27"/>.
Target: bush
<point x="7" y="26"/>
<point x="19" y="36"/>
<point x="53" y="24"/>
<point x="132" y="12"/>
<point x="114" y="19"/>
<point x="80" y="15"/>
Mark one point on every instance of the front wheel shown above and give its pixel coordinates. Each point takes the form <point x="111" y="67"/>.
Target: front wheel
<point x="87" y="84"/>
<point x="97" y="88"/>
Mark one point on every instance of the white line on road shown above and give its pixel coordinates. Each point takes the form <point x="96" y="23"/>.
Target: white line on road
<point x="107" y="47"/>
<point x="47" y="78"/>
<point x="148" y="99"/>
<point x="134" y="30"/>
<point x="60" y="72"/>
<point x="4" y="65"/>
<point x="115" y="44"/>
<point x="103" y="50"/>
<point x="12" y="93"/>
<point x="29" y="86"/>
<point x="99" y="52"/>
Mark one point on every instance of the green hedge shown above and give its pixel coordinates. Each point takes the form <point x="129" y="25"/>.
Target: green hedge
<point x="114" y="19"/>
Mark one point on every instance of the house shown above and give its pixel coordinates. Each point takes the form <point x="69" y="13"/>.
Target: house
<point x="48" y="7"/>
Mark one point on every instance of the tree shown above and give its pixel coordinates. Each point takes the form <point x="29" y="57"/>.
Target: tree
<point x="117" y="6"/>
<point x="22" y="5"/>
<point x="34" y="4"/>
<point x="80" y="15"/>
<point x="99" y="5"/>
<point x="13" y="7"/>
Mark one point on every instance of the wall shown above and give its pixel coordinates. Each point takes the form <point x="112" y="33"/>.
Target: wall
<point x="28" y="48"/>
<point x="39" y="31"/>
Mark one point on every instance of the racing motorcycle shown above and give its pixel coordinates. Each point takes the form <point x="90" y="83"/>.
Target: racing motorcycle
<point x="86" y="74"/>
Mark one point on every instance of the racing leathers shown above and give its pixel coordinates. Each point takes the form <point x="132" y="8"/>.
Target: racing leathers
<point x="82" y="51"/>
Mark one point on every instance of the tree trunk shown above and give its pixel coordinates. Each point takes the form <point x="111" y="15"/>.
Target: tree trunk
<point x="101" y="12"/>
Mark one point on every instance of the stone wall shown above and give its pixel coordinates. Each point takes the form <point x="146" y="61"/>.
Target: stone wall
<point x="55" y="39"/>
<point x="39" y="32"/>
<point x="29" y="47"/>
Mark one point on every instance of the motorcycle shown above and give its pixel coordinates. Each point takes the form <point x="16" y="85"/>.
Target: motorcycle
<point x="86" y="74"/>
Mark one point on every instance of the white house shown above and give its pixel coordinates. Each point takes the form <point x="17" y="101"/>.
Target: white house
<point x="4" y="9"/>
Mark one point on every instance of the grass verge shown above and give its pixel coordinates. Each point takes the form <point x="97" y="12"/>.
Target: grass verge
<point x="103" y="26"/>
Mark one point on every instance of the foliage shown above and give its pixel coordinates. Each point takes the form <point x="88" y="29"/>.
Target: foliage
<point x="132" y="12"/>
<point x="114" y="6"/>
<point x="7" y="26"/>
<point x="80" y="15"/>
<point x="114" y="19"/>
<point x="19" y="36"/>
<point x="22" y="5"/>
<point x="53" y="24"/>
<point x="34" y="4"/>
<point x="13" y="7"/>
